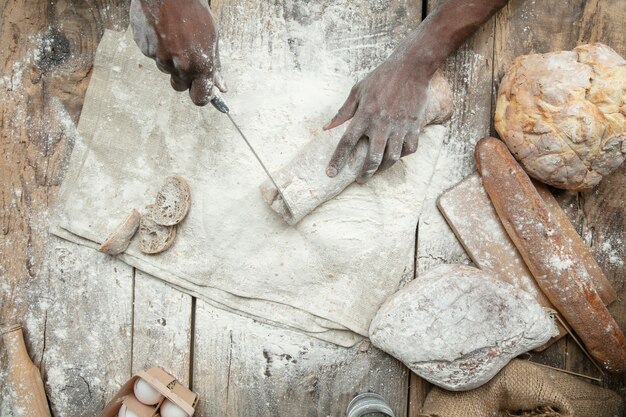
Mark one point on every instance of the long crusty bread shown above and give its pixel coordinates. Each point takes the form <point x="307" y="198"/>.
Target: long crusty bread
<point x="118" y="241"/>
<point x="549" y="253"/>
<point x="600" y="282"/>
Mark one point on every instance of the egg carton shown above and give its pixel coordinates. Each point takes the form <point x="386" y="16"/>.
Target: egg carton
<point x="163" y="382"/>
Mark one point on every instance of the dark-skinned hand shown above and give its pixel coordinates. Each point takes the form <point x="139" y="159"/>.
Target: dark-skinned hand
<point x="386" y="108"/>
<point x="181" y="36"/>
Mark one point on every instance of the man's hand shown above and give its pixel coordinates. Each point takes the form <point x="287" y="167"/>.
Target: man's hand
<point x="181" y="36"/>
<point x="387" y="107"/>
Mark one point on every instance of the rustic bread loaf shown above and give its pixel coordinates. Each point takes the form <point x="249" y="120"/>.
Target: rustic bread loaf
<point x="153" y="237"/>
<point x="600" y="282"/>
<point x="457" y="326"/>
<point x="118" y="241"/>
<point x="172" y="202"/>
<point x="563" y="114"/>
<point x="549" y="253"/>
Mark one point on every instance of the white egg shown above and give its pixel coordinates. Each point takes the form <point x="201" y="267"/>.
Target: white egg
<point x="125" y="412"/>
<point x="169" y="409"/>
<point x="145" y="393"/>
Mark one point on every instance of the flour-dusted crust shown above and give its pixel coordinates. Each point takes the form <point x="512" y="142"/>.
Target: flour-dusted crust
<point x="457" y="326"/>
<point x="118" y="241"/>
<point x="563" y="114"/>
<point x="550" y="253"/>
<point x="172" y="202"/>
<point x="153" y="237"/>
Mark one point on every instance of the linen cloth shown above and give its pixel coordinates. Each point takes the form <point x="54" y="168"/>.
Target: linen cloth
<point x="325" y="277"/>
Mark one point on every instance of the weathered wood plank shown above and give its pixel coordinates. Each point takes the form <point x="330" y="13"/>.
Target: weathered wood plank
<point x="161" y="327"/>
<point x="469" y="74"/>
<point x="74" y="303"/>
<point x="539" y="27"/>
<point x="243" y="368"/>
<point x="269" y="371"/>
<point x="361" y="33"/>
<point x="605" y="228"/>
<point x="87" y="328"/>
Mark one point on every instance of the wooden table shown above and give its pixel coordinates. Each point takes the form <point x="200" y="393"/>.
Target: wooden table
<point x="91" y="320"/>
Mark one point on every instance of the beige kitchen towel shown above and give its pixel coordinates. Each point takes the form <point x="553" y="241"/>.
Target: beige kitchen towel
<point x="326" y="277"/>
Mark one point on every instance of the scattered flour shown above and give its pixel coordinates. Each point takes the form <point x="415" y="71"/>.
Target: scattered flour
<point x="613" y="249"/>
<point x="560" y="264"/>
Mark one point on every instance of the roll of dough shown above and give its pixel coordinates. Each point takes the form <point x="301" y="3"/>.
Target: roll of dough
<point x="304" y="182"/>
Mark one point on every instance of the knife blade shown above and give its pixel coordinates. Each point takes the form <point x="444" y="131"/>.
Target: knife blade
<point x="219" y="103"/>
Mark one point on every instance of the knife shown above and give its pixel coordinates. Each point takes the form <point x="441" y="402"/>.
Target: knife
<point x="219" y="103"/>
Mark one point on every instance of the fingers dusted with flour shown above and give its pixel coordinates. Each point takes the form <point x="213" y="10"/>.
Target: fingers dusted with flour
<point x="181" y="36"/>
<point x="386" y="107"/>
<point x="390" y="100"/>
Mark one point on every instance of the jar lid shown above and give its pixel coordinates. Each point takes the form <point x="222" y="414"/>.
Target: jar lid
<point x="367" y="403"/>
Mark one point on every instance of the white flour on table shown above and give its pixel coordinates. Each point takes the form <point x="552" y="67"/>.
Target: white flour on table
<point x="326" y="277"/>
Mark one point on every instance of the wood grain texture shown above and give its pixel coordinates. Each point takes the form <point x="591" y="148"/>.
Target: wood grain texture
<point x="87" y="329"/>
<point x="25" y="385"/>
<point x="73" y="303"/>
<point x="525" y="27"/>
<point x="362" y="33"/>
<point x="244" y="368"/>
<point x="161" y="327"/>
<point x="41" y="91"/>
<point x="268" y="371"/>
<point x="469" y="74"/>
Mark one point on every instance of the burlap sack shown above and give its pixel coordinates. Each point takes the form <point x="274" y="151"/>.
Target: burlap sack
<point x="525" y="389"/>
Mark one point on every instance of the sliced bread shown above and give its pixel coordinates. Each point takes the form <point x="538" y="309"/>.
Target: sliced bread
<point x="172" y="202"/>
<point x="153" y="237"/>
<point x="118" y="241"/>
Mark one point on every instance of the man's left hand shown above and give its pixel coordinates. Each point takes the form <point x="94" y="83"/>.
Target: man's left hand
<point x="387" y="107"/>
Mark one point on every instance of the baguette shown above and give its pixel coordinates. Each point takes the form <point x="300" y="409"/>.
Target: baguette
<point x="600" y="282"/>
<point x="549" y="253"/>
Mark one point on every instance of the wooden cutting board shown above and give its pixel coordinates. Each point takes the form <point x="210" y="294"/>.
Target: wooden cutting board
<point x="469" y="212"/>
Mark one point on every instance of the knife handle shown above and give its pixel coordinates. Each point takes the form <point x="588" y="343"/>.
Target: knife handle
<point x="219" y="103"/>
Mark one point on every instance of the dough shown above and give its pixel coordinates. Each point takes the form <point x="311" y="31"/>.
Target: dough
<point x="457" y="326"/>
<point x="303" y="181"/>
<point x="563" y="115"/>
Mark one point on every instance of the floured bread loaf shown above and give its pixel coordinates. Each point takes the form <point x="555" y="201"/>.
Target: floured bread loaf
<point x="172" y="202"/>
<point x="304" y="182"/>
<point x="457" y="326"/>
<point x="554" y="254"/>
<point x="118" y="241"/>
<point x="153" y="237"/>
<point x="563" y="114"/>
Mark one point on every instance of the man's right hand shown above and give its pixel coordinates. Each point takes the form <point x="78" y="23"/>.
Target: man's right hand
<point x="181" y="36"/>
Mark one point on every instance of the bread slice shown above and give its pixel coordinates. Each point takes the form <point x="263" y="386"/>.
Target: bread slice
<point x="118" y="241"/>
<point x="153" y="237"/>
<point x="172" y="202"/>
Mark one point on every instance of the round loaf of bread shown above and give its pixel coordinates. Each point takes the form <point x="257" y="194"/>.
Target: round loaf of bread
<point x="457" y="326"/>
<point x="563" y="115"/>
